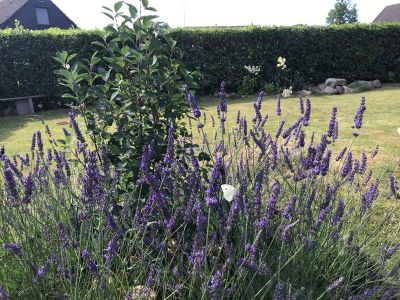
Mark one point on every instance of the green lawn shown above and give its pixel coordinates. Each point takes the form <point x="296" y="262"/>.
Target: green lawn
<point x="381" y="121"/>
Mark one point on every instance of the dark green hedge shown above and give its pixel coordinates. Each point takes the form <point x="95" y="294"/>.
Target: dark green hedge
<point x="316" y="53"/>
<point x="27" y="65"/>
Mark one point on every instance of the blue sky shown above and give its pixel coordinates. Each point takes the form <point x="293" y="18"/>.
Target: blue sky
<point x="179" y="13"/>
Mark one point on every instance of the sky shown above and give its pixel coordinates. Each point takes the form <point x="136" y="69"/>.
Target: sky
<point x="180" y="13"/>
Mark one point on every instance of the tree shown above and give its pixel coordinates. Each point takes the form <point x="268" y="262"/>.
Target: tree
<point x="344" y="12"/>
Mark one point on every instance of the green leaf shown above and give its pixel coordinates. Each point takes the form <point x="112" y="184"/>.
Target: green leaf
<point x="125" y="50"/>
<point x="154" y="60"/>
<point x="114" y="149"/>
<point x="145" y="3"/>
<point x="132" y="10"/>
<point x="203" y="156"/>
<point x="115" y="94"/>
<point x="108" y="15"/>
<point x="118" y="5"/>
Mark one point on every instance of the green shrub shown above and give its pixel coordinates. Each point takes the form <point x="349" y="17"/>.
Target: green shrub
<point x="361" y="86"/>
<point x="271" y="88"/>
<point x="130" y="90"/>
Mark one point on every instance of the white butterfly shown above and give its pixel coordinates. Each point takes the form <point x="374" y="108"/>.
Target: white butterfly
<point x="229" y="192"/>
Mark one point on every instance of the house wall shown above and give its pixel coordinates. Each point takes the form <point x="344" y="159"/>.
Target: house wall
<point x="27" y="16"/>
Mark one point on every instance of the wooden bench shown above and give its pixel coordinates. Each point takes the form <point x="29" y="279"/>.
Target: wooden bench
<point x="24" y="105"/>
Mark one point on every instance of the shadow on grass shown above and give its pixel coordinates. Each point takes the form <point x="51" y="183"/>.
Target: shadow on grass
<point x="27" y="125"/>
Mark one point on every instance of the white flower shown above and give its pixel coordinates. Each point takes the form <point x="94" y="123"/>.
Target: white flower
<point x="281" y="63"/>
<point x="229" y="192"/>
<point x="287" y="93"/>
<point x="253" y="69"/>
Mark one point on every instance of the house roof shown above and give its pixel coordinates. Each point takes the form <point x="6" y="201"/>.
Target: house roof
<point x="9" y="7"/>
<point x="390" y="14"/>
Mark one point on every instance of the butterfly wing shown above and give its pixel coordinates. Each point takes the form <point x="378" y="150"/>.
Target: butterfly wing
<point x="229" y="192"/>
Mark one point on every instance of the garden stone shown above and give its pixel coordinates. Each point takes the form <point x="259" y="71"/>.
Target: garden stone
<point x="347" y="90"/>
<point x="377" y="84"/>
<point x="321" y="86"/>
<point x="341" y="81"/>
<point x="331" y="82"/>
<point x="305" y="93"/>
<point x="339" y="89"/>
<point x="330" y="91"/>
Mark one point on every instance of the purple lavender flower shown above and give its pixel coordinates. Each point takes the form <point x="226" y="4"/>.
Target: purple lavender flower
<point x="369" y="196"/>
<point x="215" y="285"/>
<point x="147" y="155"/>
<point x="325" y="163"/>
<point x="14" y="248"/>
<point x="213" y="185"/>
<point x="66" y="132"/>
<point x="111" y="250"/>
<point x="348" y="165"/>
<point x="393" y="185"/>
<point x="29" y="186"/>
<point x="39" y="143"/>
<point x="222" y="106"/>
<point x="358" y="118"/>
<point x="332" y="123"/>
<point x="349" y="241"/>
<point x="367" y="178"/>
<point x="307" y="113"/>
<point x="363" y="165"/>
<point x="278" y="106"/>
<point x="279" y="292"/>
<point x="375" y="153"/>
<point x="288" y="210"/>
<point x="192" y="102"/>
<point x="91" y="181"/>
<point x="301" y="104"/>
<point x="90" y="263"/>
<point x="337" y="216"/>
<point x="280" y="128"/>
<point x="11" y="186"/>
<point x="3" y="294"/>
<point x="75" y="127"/>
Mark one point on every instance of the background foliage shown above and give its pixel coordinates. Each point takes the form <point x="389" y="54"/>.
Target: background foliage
<point x="343" y="12"/>
<point x="316" y="53"/>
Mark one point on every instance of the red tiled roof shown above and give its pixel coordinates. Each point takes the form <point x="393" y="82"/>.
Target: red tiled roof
<point x="390" y="14"/>
<point x="10" y="7"/>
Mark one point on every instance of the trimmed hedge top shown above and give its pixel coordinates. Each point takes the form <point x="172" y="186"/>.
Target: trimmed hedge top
<point x="353" y="52"/>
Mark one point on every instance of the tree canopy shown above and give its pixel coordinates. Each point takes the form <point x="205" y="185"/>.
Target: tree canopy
<point x="344" y="12"/>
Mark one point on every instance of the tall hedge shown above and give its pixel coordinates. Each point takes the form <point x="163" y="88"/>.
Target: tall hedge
<point x="27" y="65"/>
<point x="316" y="52"/>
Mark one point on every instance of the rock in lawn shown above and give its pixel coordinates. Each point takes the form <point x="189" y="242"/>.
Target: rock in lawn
<point x="330" y="82"/>
<point x="330" y="91"/>
<point x="321" y="86"/>
<point x="341" y="81"/>
<point x="347" y="90"/>
<point x="377" y="84"/>
<point x="339" y="89"/>
<point x="305" y="93"/>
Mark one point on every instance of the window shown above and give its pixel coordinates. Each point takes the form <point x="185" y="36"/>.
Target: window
<point x="42" y="16"/>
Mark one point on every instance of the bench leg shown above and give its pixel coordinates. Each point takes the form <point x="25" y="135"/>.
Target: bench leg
<point x="24" y="107"/>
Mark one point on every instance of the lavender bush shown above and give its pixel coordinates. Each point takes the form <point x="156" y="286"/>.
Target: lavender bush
<point x="300" y="225"/>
